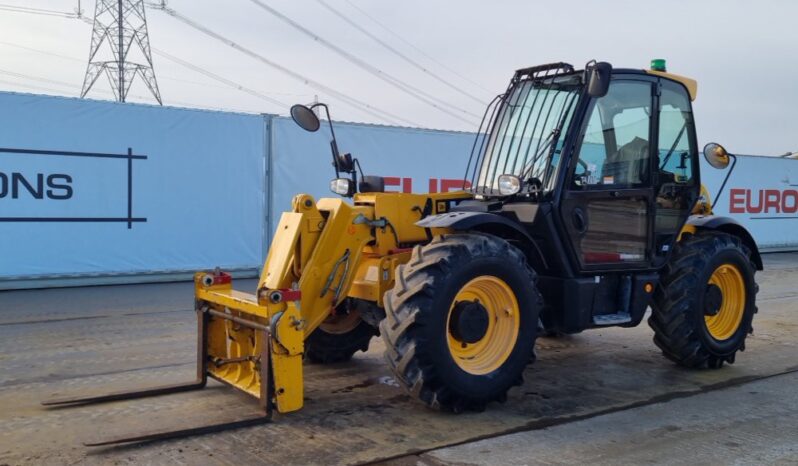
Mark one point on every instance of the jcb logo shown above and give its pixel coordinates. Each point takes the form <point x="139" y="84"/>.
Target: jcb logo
<point x="763" y="201"/>
<point x="445" y="184"/>
<point x="55" y="186"/>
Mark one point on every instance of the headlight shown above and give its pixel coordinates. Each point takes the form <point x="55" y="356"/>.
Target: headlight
<point x="509" y="185"/>
<point x="342" y="186"/>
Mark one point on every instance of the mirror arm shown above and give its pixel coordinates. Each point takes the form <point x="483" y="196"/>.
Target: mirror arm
<point x="329" y="120"/>
<point x="334" y="142"/>
<point x="728" y="174"/>
<point x="354" y="180"/>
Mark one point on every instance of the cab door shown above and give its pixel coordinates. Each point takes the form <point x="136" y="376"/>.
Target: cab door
<point x="608" y="198"/>
<point x="676" y="176"/>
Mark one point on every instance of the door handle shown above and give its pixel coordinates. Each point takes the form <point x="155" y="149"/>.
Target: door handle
<point x="579" y="220"/>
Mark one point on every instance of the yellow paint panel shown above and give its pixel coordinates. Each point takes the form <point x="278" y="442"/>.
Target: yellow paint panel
<point x="376" y="275"/>
<point x="281" y="251"/>
<point x="341" y="234"/>
<point x="687" y="228"/>
<point x="233" y="299"/>
<point x="237" y="342"/>
<point x="403" y="210"/>
<point x="288" y="382"/>
<point x="366" y="284"/>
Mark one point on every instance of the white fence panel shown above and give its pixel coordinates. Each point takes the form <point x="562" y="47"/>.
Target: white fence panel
<point x="761" y="194"/>
<point x="197" y="189"/>
<point x="203" y="189"/>
<point x="412" y="160"/>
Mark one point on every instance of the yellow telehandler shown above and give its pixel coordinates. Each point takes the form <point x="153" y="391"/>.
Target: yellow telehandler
<point x="584" y="206"/>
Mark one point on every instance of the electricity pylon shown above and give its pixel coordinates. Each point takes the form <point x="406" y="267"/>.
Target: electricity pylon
<point x="120" y="27"/>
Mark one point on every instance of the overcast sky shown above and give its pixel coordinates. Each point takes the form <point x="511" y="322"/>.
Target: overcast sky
<point x="742" y="53"/>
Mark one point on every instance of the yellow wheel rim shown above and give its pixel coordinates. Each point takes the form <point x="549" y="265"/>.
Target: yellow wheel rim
<point x="504" y="320"/>
<point x="725" y="323"/>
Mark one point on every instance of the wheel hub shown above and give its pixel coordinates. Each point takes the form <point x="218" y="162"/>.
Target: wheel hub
<point x="469" y="321"/>
<point x="713" y="299"/>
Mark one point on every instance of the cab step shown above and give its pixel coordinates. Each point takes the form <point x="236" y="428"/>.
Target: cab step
<point x="612" y="319"/>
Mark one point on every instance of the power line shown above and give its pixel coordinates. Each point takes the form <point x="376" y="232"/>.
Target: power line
<point x="40" y="79"/>
<point x="36" y="11"/>
<point x="161" y="76"/>
<point x="45" y="52"/>
<point x="32" y="86"/>
<point x="416" y="48"/>
<point x="398" y="53"/>
<point x="360" y="105"/>
<point x="363" y="106"/>
<point x="226" y="81"/>
<point x="404" y="87"/>
<point x="75" y="87"/>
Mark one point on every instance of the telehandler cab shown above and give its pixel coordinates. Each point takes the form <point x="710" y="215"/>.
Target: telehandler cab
<point x="584" y="207"/>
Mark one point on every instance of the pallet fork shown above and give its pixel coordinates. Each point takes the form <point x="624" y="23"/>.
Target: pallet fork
<point x="205" y="316"/>
<point x="255" y="342"/>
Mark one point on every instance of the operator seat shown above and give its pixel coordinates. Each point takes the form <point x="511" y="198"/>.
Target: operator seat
<point x="628" y="165"/>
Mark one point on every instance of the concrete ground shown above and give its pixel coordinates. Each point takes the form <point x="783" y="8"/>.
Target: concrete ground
<point x="604" y="396"/>
<point x="754" y="423"/>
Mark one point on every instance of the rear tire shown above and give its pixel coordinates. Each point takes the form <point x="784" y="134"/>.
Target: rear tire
<point x="339" y="337"/>
<point x="695" y="325"/>
<point x="461" y="321"/>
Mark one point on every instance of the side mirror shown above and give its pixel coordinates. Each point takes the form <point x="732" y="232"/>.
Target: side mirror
<point x="305" y="118"/>
<point x="716" y="155"/>
<point x="598" y="79"/>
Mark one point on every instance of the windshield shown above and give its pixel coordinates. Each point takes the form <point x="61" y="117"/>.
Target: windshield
<point x="524" y="136"/>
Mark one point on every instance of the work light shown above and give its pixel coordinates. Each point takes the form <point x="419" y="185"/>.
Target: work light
<point x="342" y="187"/>
<point x="509" y="185"/>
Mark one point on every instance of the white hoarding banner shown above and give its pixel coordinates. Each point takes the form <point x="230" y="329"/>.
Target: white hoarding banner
<point x="95" y="189"/>
<point x="761" y="194"/>
<point x="99" y="188"/>
<point x="412" y="160"/>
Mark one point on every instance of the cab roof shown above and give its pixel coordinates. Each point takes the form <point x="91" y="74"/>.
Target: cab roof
<point x="690" y="83"/>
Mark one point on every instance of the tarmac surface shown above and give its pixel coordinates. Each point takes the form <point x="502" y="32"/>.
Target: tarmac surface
<point x="603" y="396"/>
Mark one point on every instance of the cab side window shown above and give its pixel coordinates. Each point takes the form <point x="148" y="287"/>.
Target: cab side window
<point x="675" y="116"/>
<point x="676" y="188"/>
<point x="615" y="149"/>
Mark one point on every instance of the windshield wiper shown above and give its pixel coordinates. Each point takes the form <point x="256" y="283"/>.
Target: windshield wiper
<point x="526" y="174"/>
<point x="673" y="147"/>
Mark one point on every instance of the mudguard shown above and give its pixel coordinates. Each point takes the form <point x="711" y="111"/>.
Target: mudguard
<point x="470" y="221"/>
<point x="486" y="222"/>
<point x="731" y="226"/>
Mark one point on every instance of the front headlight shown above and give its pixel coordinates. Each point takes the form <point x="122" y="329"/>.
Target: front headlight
<point x="509" y="185"/>
<point x="342" y="187"/>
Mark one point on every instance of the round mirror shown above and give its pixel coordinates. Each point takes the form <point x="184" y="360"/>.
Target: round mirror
<point x="305" y="118"/>
<point x="716" y="155"/>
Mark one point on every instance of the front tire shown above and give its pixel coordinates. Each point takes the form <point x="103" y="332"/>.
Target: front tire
<point x="703" y="308"/>
<point x="461" y="321"/>
<point x="340" y="336"/>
